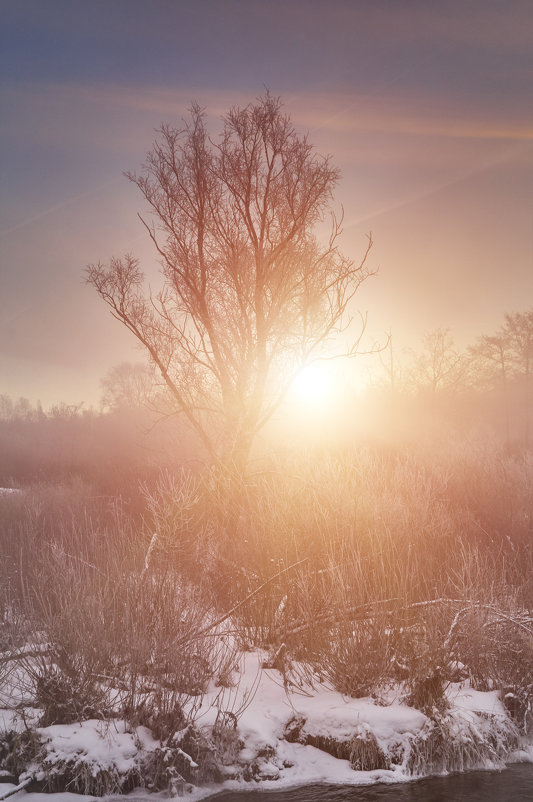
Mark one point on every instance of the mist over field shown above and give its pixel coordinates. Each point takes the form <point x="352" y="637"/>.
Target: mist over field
<point x="378" y="546"/>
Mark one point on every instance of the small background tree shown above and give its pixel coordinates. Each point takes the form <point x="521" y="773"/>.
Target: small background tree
<point x="518" y="329"/>
<point x="504" y="362"/>
<point x="249" y="294"/>
<point x="126" y="386"/>
<point x="439" y="367"/>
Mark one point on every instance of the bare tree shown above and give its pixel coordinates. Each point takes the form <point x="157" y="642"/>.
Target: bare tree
<point x="127" y="385"/>
<point x="439" y="367"/>
<point x="494" y="356"/>
<point x="249" y="294"/>
<point x="518" y="328"/>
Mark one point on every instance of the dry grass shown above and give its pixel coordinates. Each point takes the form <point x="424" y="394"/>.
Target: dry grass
<point x="378" y="567"/>
<point x="384" y="537"/>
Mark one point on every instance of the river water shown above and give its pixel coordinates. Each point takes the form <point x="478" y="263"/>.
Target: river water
<point x="514" y="784"/>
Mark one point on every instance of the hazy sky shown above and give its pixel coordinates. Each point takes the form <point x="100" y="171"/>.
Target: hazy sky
<point x="425" y="106"/>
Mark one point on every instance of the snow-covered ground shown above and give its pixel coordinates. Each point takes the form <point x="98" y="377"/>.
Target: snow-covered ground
<point x="275" y="725"/>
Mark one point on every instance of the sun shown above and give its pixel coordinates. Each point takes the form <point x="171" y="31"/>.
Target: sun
<point x="312" y="384"/>
<point x="323" y="385"/>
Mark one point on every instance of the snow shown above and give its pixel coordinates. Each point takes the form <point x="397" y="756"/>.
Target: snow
<point x="9" y="721"/>
<point x="99" y="744"/>
<point x="328" y="714"/>
<point x="23" y="796"/>
<point x="461" y="696"/>
<point x="263" y="706"/>
<point x="195" y="795"/>
<point x="334" y="717"/>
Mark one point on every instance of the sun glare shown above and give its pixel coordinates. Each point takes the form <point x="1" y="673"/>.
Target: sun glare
<point x="313" y="383"/>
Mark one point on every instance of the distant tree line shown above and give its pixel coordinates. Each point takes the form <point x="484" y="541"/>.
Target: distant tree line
<point x="111" y="448"/>
<point x="490" y="381"/>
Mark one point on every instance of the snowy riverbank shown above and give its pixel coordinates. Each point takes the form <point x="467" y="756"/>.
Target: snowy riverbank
<point x="273" y="735"/>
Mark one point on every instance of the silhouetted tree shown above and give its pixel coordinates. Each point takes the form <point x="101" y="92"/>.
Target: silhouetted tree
<point x="248" y="294"/>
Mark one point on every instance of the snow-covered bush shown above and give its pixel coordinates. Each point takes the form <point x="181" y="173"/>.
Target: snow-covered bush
<point x="453" y="741"/>
<point x="497" y="647"/>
